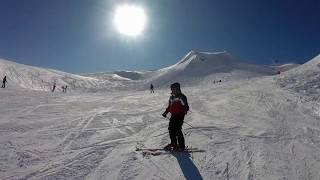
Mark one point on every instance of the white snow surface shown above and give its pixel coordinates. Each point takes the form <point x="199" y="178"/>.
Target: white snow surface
<point x="284" y="67"/>
<point x="304" y="79"/>
<point x="42" y="79"/>
<point x="256" y="128"/>
<point x="199" y="66"/>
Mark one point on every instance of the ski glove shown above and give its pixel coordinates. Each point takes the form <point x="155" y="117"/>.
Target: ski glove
<point x="164" y="115"/>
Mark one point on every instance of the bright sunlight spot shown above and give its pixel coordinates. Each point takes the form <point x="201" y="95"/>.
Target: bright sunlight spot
<point x="130" y="19"/>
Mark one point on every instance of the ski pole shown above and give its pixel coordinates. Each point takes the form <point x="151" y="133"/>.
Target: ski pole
<point x="189" y="124"/>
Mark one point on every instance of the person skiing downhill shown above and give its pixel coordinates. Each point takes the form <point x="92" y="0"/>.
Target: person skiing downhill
<point x="54" y="87"/>
<point x="4" y="81"/>
<point x="151" y="88"/>
<point x="178" y="107"/>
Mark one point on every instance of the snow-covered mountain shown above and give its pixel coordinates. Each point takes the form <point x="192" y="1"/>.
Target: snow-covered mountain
<point x="284" y="67"/>
<point x="133" y="75"/>
<point x="208" y="66"/>
<point x="194" y="68"/>
<point x="199" y="67"/>
<point x="35" y="78"/>
<point x="244" y="129"/>
<point x="304" y="79"/>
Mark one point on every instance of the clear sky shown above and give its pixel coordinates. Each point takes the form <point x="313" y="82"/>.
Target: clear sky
<point x="79" y="36"/>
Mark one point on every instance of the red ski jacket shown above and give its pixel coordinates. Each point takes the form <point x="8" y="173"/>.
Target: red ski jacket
<point x="178" y="105"/>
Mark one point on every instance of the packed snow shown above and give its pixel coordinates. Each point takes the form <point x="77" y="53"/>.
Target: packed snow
<point x="35" y="78"/>
<point x="304" y="79"/>
<point x="254" y="124"/>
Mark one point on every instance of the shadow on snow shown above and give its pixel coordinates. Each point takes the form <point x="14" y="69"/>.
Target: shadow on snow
<point x="190" y="171"/>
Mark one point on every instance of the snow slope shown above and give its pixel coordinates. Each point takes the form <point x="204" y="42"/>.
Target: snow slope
<point x="249" y="129"/>
<point x="35" y="78"/>
<point x="284" y="67"/>
<point x="304" y="79"/>
<point x="133" y="75"/>
<point x="197" y="67"/>
<point x="212" y="66"/>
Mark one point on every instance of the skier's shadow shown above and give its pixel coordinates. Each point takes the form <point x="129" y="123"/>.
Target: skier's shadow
<point x="190" y="171"/>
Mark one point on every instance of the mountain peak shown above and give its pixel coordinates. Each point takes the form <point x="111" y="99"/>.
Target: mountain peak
<point x="193" y="56"/>
<point x="201" y="53"/>
<point x="314" y="61"/>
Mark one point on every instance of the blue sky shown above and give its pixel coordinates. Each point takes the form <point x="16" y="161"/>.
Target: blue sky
<point x="78" y="35"/>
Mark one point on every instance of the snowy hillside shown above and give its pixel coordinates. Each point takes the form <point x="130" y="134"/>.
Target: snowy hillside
<point x="195" y="67"/>
<point x="246" y="129"/>
<point x="284" y="67"/>
<point x="133" y="75"/>
<point x="107" y="75"/>
<point x="35" y="78"/>
<point x="198" y="66"/>
<point x="304" y="79"/>
<point x="250" y="126"/>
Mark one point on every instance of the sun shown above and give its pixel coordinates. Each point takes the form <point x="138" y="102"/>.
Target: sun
<point x="130" y="19"/>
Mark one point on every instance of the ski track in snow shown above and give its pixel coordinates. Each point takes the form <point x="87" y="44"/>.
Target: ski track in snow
<point x="250" y="129"/>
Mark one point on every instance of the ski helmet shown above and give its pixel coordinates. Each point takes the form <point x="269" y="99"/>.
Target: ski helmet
<point x="175" y="85"/>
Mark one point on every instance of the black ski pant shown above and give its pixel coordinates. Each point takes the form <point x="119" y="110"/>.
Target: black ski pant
<point x="175" y="131"/>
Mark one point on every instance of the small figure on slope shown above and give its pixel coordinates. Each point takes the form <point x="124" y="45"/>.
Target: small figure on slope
<point x="64" y="88"/>
<point x="54" y="87"/>
<point x="178" y="107"/>
<point x="151" y="88"/>
<point x="4" y="81"/>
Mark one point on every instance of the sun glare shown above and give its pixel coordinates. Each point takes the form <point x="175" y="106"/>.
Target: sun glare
<point x="130" y="19"/>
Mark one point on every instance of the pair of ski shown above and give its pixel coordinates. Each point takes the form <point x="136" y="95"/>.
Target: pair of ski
<point x="161" y="151"/>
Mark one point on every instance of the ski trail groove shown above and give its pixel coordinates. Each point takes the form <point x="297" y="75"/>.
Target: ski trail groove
<point x="76" y="167"/>
<point x="72" y="136"/>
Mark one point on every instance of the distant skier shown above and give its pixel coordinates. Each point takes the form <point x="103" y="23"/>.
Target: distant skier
<point x="151" y="88"/>
<point x="178" y="107"/>
<point x="64" y="88"/>
<point x="54" y="87"/>
<point x="4" y="81"/>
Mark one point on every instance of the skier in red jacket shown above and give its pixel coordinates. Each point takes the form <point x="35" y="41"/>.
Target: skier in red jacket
<point x="178" y="108"/>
